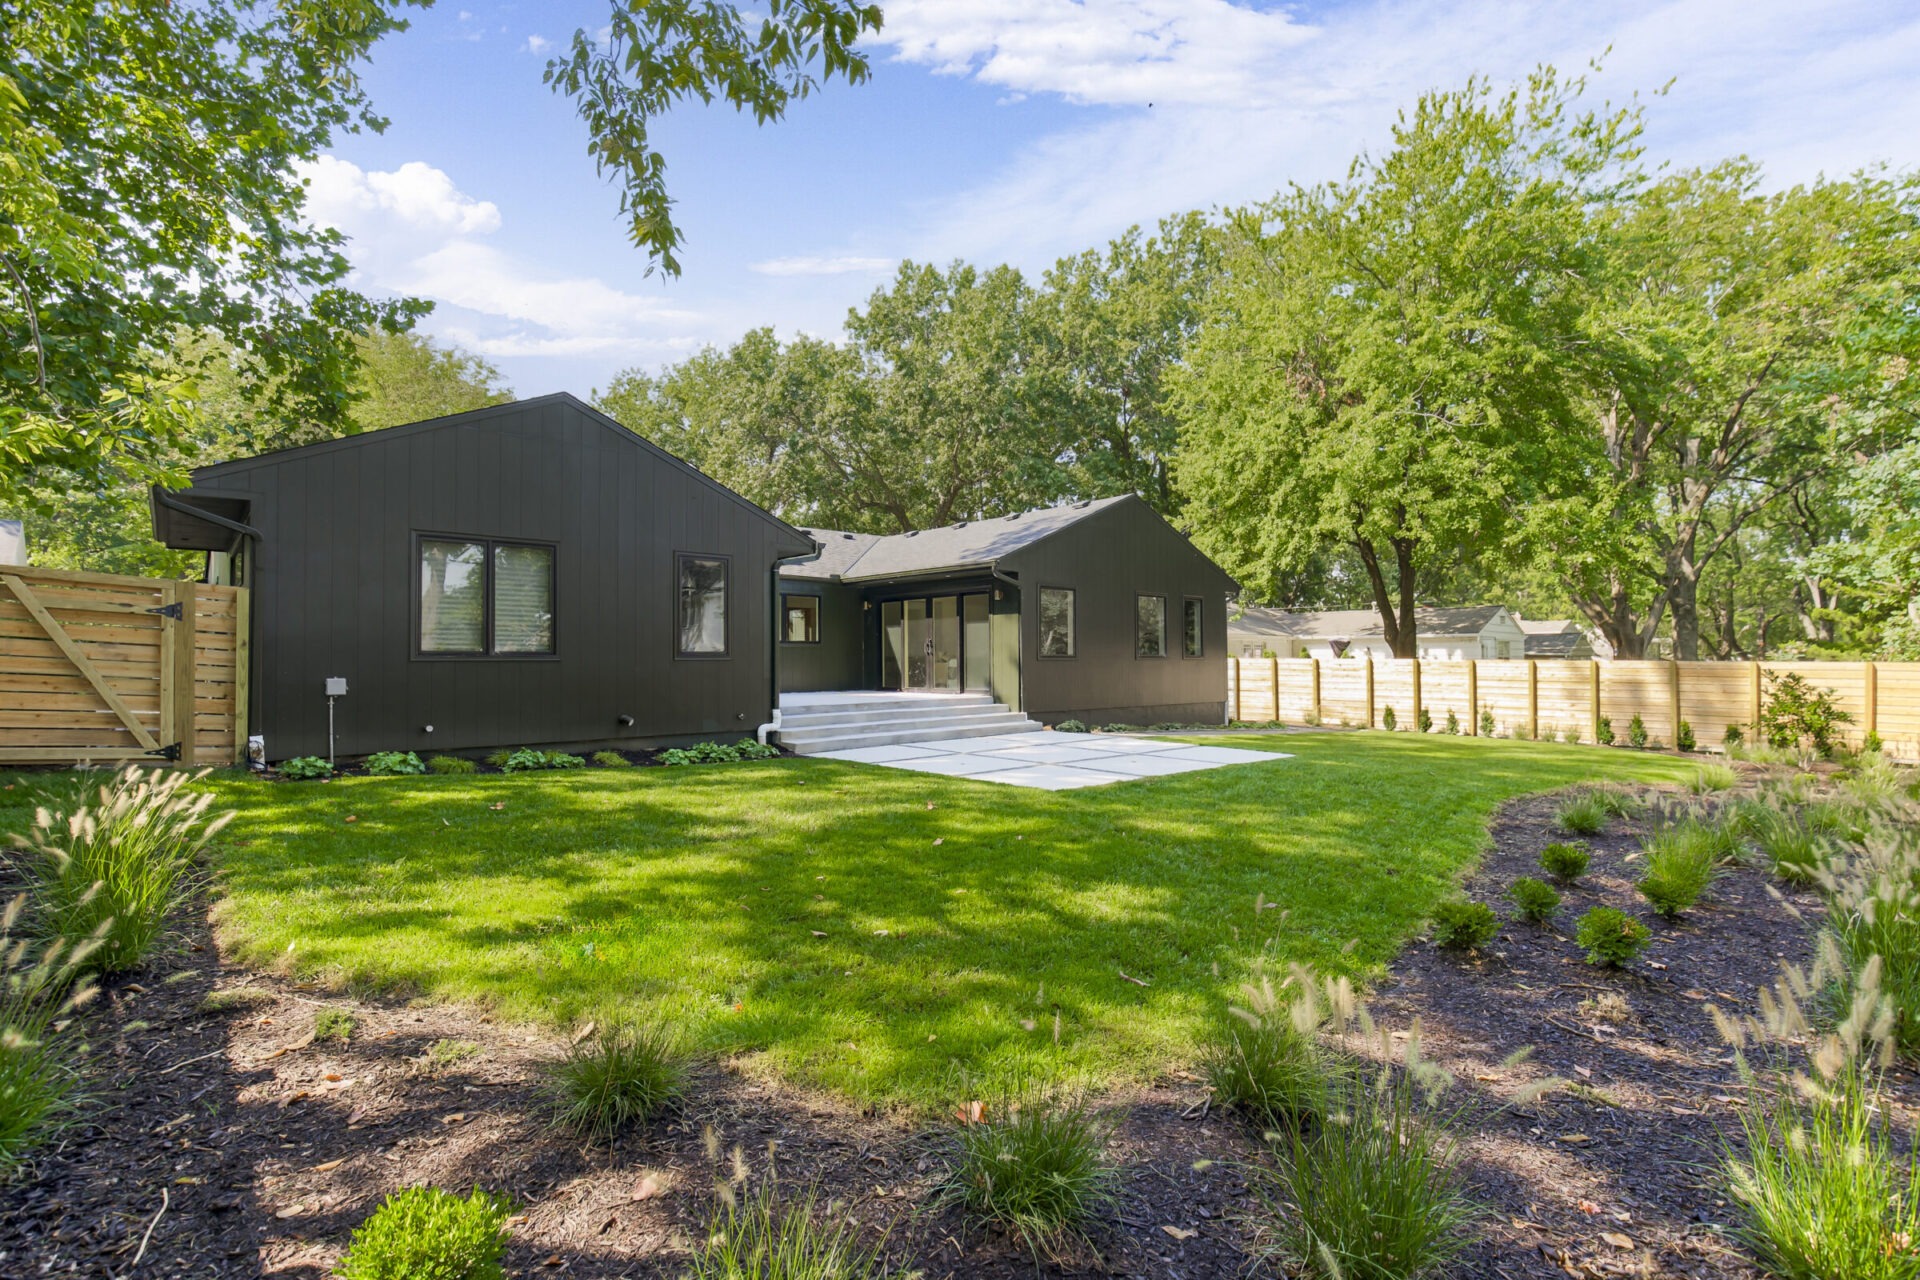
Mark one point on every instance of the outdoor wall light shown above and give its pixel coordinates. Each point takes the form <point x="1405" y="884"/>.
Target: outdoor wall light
<point x="626" y="722"/>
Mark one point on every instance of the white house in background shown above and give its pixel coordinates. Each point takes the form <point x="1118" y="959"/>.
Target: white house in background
<point x="1472" y="631"/>
<point x="1561" y="638"/>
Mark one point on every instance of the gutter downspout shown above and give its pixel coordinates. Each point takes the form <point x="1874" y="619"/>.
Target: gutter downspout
<point x="772" y="726"/>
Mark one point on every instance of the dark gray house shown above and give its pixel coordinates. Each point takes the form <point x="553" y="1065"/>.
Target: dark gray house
<point x="528" y="574"/>
<point x="1099" y="611"/>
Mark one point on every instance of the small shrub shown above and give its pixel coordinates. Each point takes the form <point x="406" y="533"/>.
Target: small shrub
<point x="1120" y="728"/>
<point x="1584" y="815"/>
<point x="1793" y="848"/>
<point x="451" y="764"/>
<point x="1637" y="735"/>
<point x="1604" y="733"/>
<point x="1464" y="925"/>
<point x="610" y="760"/>
<point x="1266" y="1062"/>
<point x="1536" y="900"/>
<point x="1487" y="723"/>
<point x="116" y="869"/>
<point x="1453" y="723"/>
<point x="1071" y="726"/>
<point x="1872" y="743"/>
<point x="1388" y="720"/>
<point x="445" y="1053"/>
<point x="1611" y="937"/>
<point x="756" y="1237"/>
<point x="1734" y="736"/>
<point x="620" y="1077"/>
<point x="305" y="768"/>
<point x="497" y="759"/>
<point x="1795" y="714"/>
<point x="424" y="1233"/>
<point x="1165" y="726"/>
<point x="1038" y="1170"/>
<point x="1425" y="720"/>
<point x="527" y="759"/>
<point x="1713" y="777"/>
<point x="235" y="1000"/>
<point x="1565" y="862"/>
<point x="1570" y="736"/>
<point x="1676" y="876"/>
<point x="1683" y="737"/>
<point x="1615" y="802"/>
<point x="41" y="988"/>
<point x="718" y="753"/>
<point x="395" y="762"/>
<point x="333" y="1024"/>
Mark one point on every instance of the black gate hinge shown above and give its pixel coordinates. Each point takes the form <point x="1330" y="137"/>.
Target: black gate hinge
<point x="169" y="610"/>
<point x="169" y="752"/>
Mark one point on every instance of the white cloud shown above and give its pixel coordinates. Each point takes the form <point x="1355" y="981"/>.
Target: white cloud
<point x="419" y="195"/>
<point x="823" y="266"/>
<point x="537" y="44"/>
<point x="480" y="278"/>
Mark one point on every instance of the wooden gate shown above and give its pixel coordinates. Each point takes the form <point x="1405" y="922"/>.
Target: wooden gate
<point x="97" y="667"/>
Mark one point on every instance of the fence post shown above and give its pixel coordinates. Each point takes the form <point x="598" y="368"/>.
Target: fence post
<point x="242" y="665"/>
<point x="1533" y="699"/>
<point x="1593" y="698"/>
<point x="1473" y="697"/>
<point x="1673" y="698"/>
<point x="1369" y="691"/>
<point x="1753" y="702"/>
<point x="1415" y="670"/>
<point x="1870" y="721"/>
<point x="185" y="651"/>
<point x="1317" y="717"/>
<point x="1273" y="682"/>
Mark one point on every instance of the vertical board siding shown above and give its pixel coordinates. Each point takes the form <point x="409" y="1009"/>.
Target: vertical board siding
<point x="1558" y="695"/>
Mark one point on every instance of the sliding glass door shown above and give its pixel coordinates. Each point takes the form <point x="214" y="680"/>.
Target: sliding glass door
<point x="934" y="643"/>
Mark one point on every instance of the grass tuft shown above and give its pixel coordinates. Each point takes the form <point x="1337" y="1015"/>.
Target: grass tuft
<point x="1677" y="875"/>
<point x="451" y="765"/>
<point x="1267" y="1062"/>
<point x="758" y="1237"/>
<point x="1711" y="778"/>
<point x="443" y="1053"/>
<point x="41" y="987"/>
<point x="620" y="1077"/>
<point x="235" y="1000"/>
<point x="333" y="1024"/>
<point x="1037" y="1170"/>
<point x="424" y="1233"/>
<point x="1584" y="815"/>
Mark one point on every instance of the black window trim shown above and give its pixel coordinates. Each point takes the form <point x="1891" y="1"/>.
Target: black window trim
<point x="1073" y="610"/>
<point x="1138" y="596"/>
<point x="487" y="654"/>
<point x="1201" y="602"/>
<point x="726" y="639"/>
<point x="784" y="597"/>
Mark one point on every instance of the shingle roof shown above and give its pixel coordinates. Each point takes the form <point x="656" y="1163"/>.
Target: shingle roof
<point x="1467" y="620"/>
<point x="1559" y="644"/>
<point x="1546" y="626"/>
<point x="971" y="544"/>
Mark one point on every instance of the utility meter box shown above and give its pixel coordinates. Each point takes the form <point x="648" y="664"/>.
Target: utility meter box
<point x="336" y="686"/>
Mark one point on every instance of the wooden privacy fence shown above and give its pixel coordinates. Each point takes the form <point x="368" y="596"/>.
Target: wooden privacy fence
<point x="96" y="667"/>
<point x="1559" y="699"/>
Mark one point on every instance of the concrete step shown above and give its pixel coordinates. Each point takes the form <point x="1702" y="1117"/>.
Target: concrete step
<point x="923" y="717"/>
<point x="810" y="744"/>
<point x="883" y="705"/>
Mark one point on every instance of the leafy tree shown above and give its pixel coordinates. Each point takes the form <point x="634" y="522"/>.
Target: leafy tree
<point x="1381" y="370"/>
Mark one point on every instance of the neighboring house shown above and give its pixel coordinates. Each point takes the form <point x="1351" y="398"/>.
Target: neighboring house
<point x="1557" y="638"/>
<point x="1099" y="611"/>
<point x="1473" y="631"/>
<point x="526" y="574"/>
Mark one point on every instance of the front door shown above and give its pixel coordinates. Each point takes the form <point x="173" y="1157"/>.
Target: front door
<point x="923" y="645"/>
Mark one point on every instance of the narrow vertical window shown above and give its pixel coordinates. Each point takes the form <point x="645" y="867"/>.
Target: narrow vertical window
<point x="802" y="615"/>
<point x="522" y="599"/>
<point x="703" y="606"/>
<point x="1150" y="627"/>
<point x="453" y="596"/>
<point x="1056" y="622"/>
<point x="1190" y="633"/>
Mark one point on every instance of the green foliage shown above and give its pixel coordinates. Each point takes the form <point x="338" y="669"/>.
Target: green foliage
<point x="1734" y="736"/>
<point x="1425" y="720"/>
<point x="235" y="1000"/>
<point x="1604" y="735"/>
<point x="1683" y="737"/>
<point x="1677" y="873"/>
<point x="1795" y="714"/>
<point x="527" y="759"/>
<point x="718" y="752"/>
<point x="1388" y="720"/>
<point x="1487" y="724"/>
<point x="498" y="759"/>
<point x="1565" y="862"/>
<point x="395" y="762"/>
<point x="444" y="1053"/>
<point x="1872" y="743"/>
<point x="1611" y="937"/>
<point x="1266" y="1061"/>
<point x="1823" y="1187"/>
<point x="1071" y="726"/>
<point x="620" y="1077"/>
<point x="1375" y="1193"/>
<point x="1873" y="915"/>
<point x="1794" y="848"/>
<point x="330" y="1023"/>
<point x="757" y="1237"/>
<point x="424" y="1233"/>
<point x="305" y="768"/>
<point x="1117" y="727"/>
<point x="1464" y="925"/>
<point x="610" y="760"/>
<point x="115" y="869"/>
<point x="41" y="988"/>
<point x="451" y="765"/>
<point x="1536" y="900"/>
<point x="1453" y="723"/>
<point x="1584" y="815"/>
<point x="1713" y="777"/>
<point x="1035" y="1168"/>
<point x="1637" y="735"/>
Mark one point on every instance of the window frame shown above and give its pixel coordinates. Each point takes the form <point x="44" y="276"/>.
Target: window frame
<point x="1200" y="615"/>
<point x="487" y="653"/>
<point x="726" y="635"/>
<point x="1073" y="625"/>
<point x="784" y="597"/>
<point x="1138" y="596"/>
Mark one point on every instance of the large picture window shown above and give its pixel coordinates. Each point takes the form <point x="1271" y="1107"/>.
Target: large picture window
<point x="703" y="606"/>
<point x="800" y="619"/>
<point x="1190" y="632"/>
<point x="1150" y="627"/>
<point x="479" y="597"/>
<point x="1056" y="622"/>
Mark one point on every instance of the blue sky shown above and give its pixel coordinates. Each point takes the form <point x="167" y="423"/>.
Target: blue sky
<point x="1008" y="131"/>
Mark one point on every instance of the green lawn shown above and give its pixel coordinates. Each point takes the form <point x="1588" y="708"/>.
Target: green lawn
<point x="885" y="934"/>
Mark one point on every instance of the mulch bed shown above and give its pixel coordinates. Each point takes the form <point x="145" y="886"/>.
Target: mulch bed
<point x="234" y="1145"/>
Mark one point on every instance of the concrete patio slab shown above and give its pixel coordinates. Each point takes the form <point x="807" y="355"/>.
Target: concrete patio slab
<point x="1047" y="777"/>
<point x="954" y="764"/>
<point x="1051" y="764"/>
<point x="1156" y="765"/>
<point x="880" y="755"/>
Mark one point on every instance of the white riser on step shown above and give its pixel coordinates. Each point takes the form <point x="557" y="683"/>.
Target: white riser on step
<point x="814" y="744"/>
<point x="886" y="720"/>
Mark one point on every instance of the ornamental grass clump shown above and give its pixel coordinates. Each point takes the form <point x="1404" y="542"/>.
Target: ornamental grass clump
<point x="1036" y="1169"/>
<point x="424" y="1233"/>
<point x="759" y="1236"/>
<point x="1873" y="917"/>
<point x="42" y="986"/>
<point x="1676" y="877"/>
<point x="1793" y="847"/>
<point x="451" y="765"/>
<point x="1611" y="937"/>
<point x="1584" y="815"/>
<point x="116" y="868"/>
<point x="1565" y="862"/>
<point x="1709" y="778"/>
<point x="1267" y="1062"/>
<point x="1535" y="900"/>
<point x="1460" y="924"/>
<point x="620" y="1077"/>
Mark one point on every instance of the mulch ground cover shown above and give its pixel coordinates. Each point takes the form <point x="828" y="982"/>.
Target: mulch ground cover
<point x="236" y="1144"/>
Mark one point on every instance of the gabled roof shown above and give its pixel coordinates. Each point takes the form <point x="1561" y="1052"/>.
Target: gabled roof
<point x="970" y="544"/>
<point x="1546" y="626"/>
<point x="1556" y="644"/>
<point x="1357" y="624"/>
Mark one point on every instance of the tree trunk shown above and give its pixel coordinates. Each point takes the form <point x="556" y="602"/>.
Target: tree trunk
<point x="1396" y="623"/>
